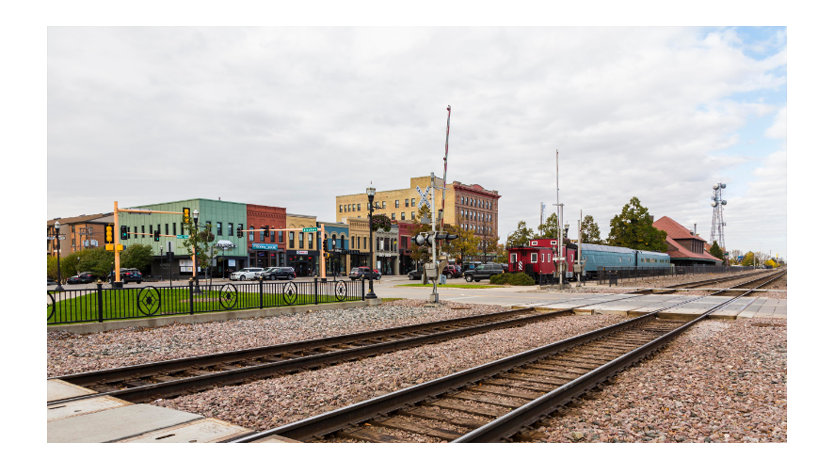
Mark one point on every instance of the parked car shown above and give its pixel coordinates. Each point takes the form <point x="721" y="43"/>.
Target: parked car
<point x="363" y="272"/>
<point x="483" y="271"/>
<point x="453" y="271"/>
<point x="246" y="274"/>
<point x="127" y="275"/>
<point x="278" y="272"/>
<point x="82" y="278"/>
<point x="415" y="274"/>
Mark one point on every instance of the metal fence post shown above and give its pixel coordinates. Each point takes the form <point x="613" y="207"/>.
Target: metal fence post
<point x="363" y="288"/>
<point x="260" y="292"/>
<point x="316" y="290"/>
<point x="100" y="301"/>
<point x="191" y="296"/>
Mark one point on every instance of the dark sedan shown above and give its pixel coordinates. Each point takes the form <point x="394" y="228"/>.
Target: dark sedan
<point x="82" y="278"/>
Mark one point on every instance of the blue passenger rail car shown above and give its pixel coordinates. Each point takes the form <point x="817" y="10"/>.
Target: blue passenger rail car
<point x="598" y="257"/>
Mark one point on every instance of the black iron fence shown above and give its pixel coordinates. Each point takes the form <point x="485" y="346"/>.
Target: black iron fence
<point x="610" y="274"/>
<point x="102" y="304"/>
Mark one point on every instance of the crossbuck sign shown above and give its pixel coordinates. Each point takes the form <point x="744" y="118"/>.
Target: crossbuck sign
<point x="423" y="195"/>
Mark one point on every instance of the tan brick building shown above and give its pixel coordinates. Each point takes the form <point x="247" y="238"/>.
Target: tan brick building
<point x="471" y="207"/>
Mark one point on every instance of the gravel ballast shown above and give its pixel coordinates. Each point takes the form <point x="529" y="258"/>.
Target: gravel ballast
<point x="722" y="381"/>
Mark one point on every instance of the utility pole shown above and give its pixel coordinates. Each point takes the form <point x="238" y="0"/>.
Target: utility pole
<point x="445" y="157"/>
<point x="579" y="254"/>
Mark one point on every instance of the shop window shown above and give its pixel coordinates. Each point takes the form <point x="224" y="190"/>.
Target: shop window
<point x="291" y="237"/>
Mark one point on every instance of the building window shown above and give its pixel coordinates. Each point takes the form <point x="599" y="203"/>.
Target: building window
<point x="412" y="202"/>
<point x="365" y="243"/>
<point x="272" y="236"/>
<point x="280" y="237"/>
<point x="310" y="240"/>
<point x="406" y="202"/>
<point x="342" y="242"/>
<point x="402" y="215"/>
<point x="383" y="204"/>
<point x="166" y="229"/>
<point x="340" y="208"/>
<point x="352" y="243"/>
<point x="534" y="257"/>
<point x="231" y="229"/>
<point x="251" y="234"/>
<point x="292" y="240"/>
<point x="263" y="238"/>
<point x="143" y="231"/>
<point x="301" y="241"/>
<point x="412" y="215"/>
<point x="220" y="228"/>
<point x="396" y="203"/>
<point x="134" y="233"/>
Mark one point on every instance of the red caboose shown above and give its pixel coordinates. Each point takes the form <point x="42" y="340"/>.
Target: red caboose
<point x="538" y="260"/>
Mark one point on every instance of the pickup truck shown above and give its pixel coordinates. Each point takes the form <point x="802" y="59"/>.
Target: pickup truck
<point x="483" y="271"/>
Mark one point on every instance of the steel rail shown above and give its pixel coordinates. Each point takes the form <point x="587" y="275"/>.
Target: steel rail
<point x="278" y="367"/>
<point x="360" y="412"/>
<point x="528" y="414"/>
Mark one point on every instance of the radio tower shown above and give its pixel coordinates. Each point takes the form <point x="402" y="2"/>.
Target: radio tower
<point x="718" y="215"/>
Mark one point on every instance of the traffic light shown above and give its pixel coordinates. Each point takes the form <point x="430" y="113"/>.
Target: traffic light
<point x="266" y="232"/>
<point x="108" y="234"/>
<point x="186" y="216"/>
<point x="240" y="232"/>
<point x="156" y="235"/>
<point x="123" y="233"/>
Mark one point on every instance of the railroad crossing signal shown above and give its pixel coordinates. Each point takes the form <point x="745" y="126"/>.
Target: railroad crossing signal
<point x="108" y="234"/>
<point x="186" y="215"/>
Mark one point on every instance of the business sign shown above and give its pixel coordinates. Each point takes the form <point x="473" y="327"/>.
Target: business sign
<point x="264" y="246"/>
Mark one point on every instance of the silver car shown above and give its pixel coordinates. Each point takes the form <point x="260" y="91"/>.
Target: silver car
<point x="246" y="274"/>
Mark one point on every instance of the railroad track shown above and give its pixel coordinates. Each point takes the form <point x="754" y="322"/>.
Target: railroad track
<point x="494" y="401"/>
<point x="171" y="378"/>
<point x="693" y="284"/>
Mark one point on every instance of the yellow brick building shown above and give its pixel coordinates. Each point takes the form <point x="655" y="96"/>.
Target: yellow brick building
<point x="469" y="206"/>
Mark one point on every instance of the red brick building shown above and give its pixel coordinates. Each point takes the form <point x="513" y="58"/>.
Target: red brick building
<point x="270" y="250"/>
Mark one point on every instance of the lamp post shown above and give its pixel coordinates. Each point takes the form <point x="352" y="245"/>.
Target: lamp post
<point x="196" y="279"/>
<point x="371" y="191"/>
<point x="58" y="239"/>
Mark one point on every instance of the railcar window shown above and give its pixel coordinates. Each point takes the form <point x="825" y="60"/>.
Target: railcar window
<point x="534" y="257"/>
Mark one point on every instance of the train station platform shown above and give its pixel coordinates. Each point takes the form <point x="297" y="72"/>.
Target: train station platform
<point x="108" y="419"/>
<point x="674" y="306"/>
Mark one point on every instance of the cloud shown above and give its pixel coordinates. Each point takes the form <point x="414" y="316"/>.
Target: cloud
<point x="293" y="117"/>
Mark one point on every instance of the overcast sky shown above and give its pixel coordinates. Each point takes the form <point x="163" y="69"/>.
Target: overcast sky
<point x="292" y="117"/>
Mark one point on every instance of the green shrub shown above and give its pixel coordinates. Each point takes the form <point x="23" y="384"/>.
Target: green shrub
<point x="513" y="279"/>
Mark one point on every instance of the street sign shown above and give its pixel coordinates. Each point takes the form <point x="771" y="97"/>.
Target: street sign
<point x="50" y="237"/>
<point x="309" y="229"/>
<point x="182" y="237"/>
<point x="62" y="237"/>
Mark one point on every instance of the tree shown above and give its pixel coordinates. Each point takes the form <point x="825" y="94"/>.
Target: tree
<point x="590" y="230"/>
<point x="198" y="242"/>
<point x="501" y="254"/>
<point x="69" y="266"/>
<point x="521" y="236"/>
<point x="716" y="250"/>
<point x="633" y="229"/>
<point x="98" y="261"/>
<point x="137" y="256"/>
<point x="465" y="245"/>
<point x="749" y="259"/>
<point x="550" y="227"/>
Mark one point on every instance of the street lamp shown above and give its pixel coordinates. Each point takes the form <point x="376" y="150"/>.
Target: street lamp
<point x="58" y="238"/>
<point x="196" y="279"/>
<point x="371" y="191"/>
